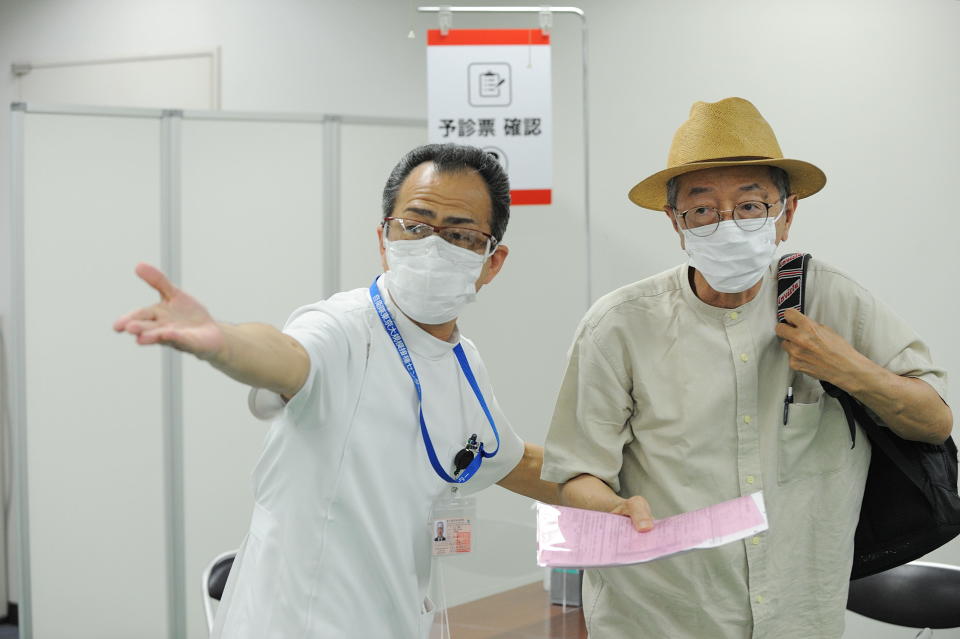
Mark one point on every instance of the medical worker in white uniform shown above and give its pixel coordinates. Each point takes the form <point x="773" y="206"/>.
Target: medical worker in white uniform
<point x="371" y="399"/>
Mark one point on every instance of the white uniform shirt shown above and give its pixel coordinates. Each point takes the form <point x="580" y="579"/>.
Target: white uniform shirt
<point x="339" y="542"/>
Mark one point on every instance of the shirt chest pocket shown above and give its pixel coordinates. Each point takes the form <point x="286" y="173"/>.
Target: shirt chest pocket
<point x="815" y="440"/>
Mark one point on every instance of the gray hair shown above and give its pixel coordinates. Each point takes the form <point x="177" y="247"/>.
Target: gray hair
<point x="779" y="177"/>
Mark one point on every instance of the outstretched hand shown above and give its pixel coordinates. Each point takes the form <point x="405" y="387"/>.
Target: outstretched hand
<point x="177" y="320"/>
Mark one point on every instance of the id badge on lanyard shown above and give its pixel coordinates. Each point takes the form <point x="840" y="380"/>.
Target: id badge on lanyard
<point x="450" y="526"/>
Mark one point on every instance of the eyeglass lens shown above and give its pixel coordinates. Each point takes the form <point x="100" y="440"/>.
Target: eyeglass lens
<point x="703" y="220"/>
<point x="470" y="239"/>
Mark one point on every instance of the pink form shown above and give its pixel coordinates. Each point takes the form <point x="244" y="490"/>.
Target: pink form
<point x="571" y="537"/>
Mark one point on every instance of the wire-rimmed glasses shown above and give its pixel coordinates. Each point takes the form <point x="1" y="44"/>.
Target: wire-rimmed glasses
<point x="399" y="228"/>
<point x="704" y="220"/>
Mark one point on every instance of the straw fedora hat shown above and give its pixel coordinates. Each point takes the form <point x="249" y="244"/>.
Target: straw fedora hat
<point x="730" y="132"/>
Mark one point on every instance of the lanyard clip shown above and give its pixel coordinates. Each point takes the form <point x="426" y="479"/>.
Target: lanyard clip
<point x="466" y="455"/>
<point x="472" y="444"/>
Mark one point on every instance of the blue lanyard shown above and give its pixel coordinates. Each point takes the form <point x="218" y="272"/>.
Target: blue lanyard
<point x="391" y="327"/>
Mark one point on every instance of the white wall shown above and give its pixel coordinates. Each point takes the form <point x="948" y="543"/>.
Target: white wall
<point x="866" y="89"/>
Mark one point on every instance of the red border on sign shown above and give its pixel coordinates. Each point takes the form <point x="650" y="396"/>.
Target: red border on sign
<point x="487" y="36"/>
<point x="530" y="196"/>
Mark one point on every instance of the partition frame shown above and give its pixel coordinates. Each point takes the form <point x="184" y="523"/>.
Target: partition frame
<point x="172" y="376"/>
<point x="170" y="193"/>
<point x="18" y="395"/>
<point x="20" y="69"/>
<point x="18" y="366"/>
<point x="331" y="206"/>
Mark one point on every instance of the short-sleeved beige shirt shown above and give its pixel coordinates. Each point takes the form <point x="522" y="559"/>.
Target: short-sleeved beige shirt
<point x="682" y="402"/>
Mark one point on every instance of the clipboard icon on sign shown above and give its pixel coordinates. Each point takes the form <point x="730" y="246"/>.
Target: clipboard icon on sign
<point x="489" y="84"/>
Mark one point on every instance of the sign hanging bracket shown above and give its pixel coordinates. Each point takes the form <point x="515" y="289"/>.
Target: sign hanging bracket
<point x="546" y="20"/>
<point x="445" y="15"/>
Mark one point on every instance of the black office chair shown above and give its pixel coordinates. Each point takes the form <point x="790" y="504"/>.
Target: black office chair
<point x="214" y="581"/>
<point x="915" y="595"/>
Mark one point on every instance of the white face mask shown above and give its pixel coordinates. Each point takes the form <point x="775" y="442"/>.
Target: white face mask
<point x="731" y="259"/>
<point x="431" y="280"/>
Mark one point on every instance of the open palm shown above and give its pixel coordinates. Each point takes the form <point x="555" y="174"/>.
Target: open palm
<point x="177" y="320"/>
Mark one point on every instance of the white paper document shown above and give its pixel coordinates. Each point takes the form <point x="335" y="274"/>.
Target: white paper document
<point x="571" y="537"/>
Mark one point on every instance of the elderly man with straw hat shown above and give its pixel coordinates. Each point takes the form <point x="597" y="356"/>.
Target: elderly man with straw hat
<point x="674" y="397"/>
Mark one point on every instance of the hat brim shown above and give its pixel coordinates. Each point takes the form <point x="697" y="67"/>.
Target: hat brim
<point x="805" y="179"/>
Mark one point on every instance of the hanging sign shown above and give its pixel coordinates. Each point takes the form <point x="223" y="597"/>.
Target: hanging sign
<point x="490" y="88"/>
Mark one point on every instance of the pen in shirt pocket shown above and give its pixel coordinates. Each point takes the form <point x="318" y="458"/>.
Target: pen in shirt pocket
<point x="787" y="400"/>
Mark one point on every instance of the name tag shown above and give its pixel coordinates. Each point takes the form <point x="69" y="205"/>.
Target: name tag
<point x="450" y="526"/>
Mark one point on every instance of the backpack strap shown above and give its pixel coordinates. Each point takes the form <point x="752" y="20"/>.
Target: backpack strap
<point x="791" y="293"/>
<point x="791" y="282"/>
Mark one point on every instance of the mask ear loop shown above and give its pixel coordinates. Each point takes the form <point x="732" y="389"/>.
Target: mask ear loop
<point x="783" y="209"/>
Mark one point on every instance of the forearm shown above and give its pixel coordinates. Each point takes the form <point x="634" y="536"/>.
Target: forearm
<point x="525" y="480"/>
<point x="909" y="406"/>
<point x="590" y="493"/>
<point x="259" y="355"/>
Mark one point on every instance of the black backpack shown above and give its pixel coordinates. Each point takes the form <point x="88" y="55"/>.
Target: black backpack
<point x="910" y="505"/>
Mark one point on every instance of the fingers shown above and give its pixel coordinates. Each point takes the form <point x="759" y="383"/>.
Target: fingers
<point x="148" y="313"/>
<point x="638" y="510"/>
<point x="158" y="335"/>
<point x="642" y="520"/>
<point x="795" y="355"/>
<point x="790" y="347"/>
<point x="796" y="324"/>
<point x="794" y="317"/>
<point x="136" y="327"/>
<point x="156" y="279"/>
<point x="148" y="332"/>
<point x="785" y="331"/>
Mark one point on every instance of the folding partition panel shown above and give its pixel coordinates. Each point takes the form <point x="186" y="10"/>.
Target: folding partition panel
<point x="252" y="249"/>
<point x="94" y="459"/>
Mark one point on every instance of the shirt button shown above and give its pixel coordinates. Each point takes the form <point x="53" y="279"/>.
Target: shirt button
<point x="749" y="479"/>
<point x="759" y="599"/>
<point x="734" y="315"/>
<point x="743" y="357"/>
<point x="755" y="541"/>
<point x="747" y="419"/>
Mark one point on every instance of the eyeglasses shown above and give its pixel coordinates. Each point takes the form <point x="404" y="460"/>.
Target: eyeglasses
<point x="704" y="220"/>
<point x="398" y="228"/>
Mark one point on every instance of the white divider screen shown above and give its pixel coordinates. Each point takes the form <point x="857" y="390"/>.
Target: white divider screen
<point x="95" y="447"/>
<point x="251" y="250"/>
<point x="367" y="155"/>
